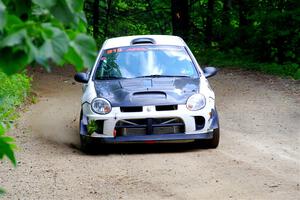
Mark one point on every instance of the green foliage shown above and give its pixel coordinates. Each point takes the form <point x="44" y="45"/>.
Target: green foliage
<point x="237" y="59"/>
<point x="260" y="35"/>
<point x="7" y="146"/>
<point x="13" y="91"/>
<point x="37" y="31"/>
<point x="79" y="53"/>
<point x="44" y="32"/>
<point x="92" y="127"/>
<point x="297" y="75"/>
<point x="127" y="17"/>
<point x="2" y="15"/>
<point x="2" y="191"/>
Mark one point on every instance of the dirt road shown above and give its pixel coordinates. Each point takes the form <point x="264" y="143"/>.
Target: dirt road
<point x="258" y="156"/>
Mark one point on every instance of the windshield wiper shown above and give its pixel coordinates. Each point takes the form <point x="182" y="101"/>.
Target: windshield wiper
<point x="158" y="76"/>
<point x="110" y="77"/>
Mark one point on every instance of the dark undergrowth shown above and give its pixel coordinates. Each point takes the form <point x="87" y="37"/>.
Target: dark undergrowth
<point x="235" y="60"/>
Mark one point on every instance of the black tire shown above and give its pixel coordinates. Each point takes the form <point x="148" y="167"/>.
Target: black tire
<point x="85" y="145"/>
<point x="214" y="142"/>
<point x="210" y="143"/>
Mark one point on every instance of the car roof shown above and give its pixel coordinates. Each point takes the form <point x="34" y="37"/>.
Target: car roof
<point x="157" y="39"/>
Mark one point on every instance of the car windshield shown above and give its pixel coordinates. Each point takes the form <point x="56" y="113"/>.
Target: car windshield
<point x="145" y="61"/>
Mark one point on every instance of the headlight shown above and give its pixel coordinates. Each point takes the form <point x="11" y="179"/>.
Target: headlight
<point x="196" y="102"/>
<point x="101" y="106"/>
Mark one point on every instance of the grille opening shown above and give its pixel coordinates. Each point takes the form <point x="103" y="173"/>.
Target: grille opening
<point x="166" y="107"/>
<point x="200" y="122"/>
<point x="148" y="126"/>
<point x="99" y="126"/>
<point x="132" y="109"/>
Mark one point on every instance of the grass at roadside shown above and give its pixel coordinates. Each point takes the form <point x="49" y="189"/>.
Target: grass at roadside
<point x="220" y="59"/>
<point x="13" y="91"/>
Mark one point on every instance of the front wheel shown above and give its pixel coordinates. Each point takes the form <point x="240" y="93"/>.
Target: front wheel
<point x="85" y="145"/>
<point x="210" y="143"/>
<point x="214" y="142"/>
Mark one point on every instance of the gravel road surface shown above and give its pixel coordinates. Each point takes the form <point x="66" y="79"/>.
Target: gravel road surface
<point x="258" y="156"/>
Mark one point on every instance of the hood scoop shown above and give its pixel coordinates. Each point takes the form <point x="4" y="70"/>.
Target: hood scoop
<point x="150" y="95"/>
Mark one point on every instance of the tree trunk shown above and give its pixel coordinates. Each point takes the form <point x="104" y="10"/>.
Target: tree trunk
<point x="108" y="10"/>
<point x="243" y="22"/>
<point x="180" y="18"/>
<point x="209" y="23"/>
<point x="225" y="13"/>
<point x="223" y="39"/>
<point x="280" y="40"/>
<point x="96" y="19"/>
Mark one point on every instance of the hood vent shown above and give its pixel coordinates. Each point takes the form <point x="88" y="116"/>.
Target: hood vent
<point x="142" y="41"/>
<point x="150" y="95"/>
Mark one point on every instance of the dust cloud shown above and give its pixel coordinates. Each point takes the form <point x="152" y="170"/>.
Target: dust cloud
<point x="55" y="116"/>
<point x="54" y="123"/>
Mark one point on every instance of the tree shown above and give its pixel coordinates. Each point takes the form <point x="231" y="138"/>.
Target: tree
<point x="107" y="14"/>
<point x="244" y="22"/>
<point x="209" y="23"/>
<point x="96" y="12"/>
<point x="180" y="18"/>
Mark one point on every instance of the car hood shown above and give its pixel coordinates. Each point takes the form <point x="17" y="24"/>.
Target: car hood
<point x="147" y="91"/>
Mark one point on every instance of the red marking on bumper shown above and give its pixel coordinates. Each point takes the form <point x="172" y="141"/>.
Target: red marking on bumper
<point x="150" y="142"/>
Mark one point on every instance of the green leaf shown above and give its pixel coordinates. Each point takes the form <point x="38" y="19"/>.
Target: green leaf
<point x="55" y="45"/>
<point x="42" y="38"/>
<point x="13" y="20"/>
<point x="45" y="3"/>
<point x="1" y="129"/>
<point x="2" y="191"/>
<point x="32" y="49"/>
<point x="62" y="12"/>
<point x="82" y="24"/>
<point x="85" y="46"/>
<point x="75" y="6"/>
<point x="6" y="148"/>
<point x="74" y="58"/>
<point x="69" y="12"/>
<point x="13" y="39"/>
<point x="2" y="15"/>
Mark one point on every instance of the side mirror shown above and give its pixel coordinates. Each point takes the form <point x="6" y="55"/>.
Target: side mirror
<point x="81" y="77"/>
<point x="209" y="71"/>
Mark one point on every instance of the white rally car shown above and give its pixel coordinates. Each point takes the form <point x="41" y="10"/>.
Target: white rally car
<point x="147" y="89"/>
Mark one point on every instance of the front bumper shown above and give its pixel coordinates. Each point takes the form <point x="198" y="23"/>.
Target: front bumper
<point x="149" y="138"/>
<point x="203" y="134"/>
<point x="188" y="117"/>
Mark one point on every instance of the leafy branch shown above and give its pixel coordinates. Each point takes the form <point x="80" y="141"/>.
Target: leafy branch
<point x="44" y="32"/>
<point x="7" y="145"/>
